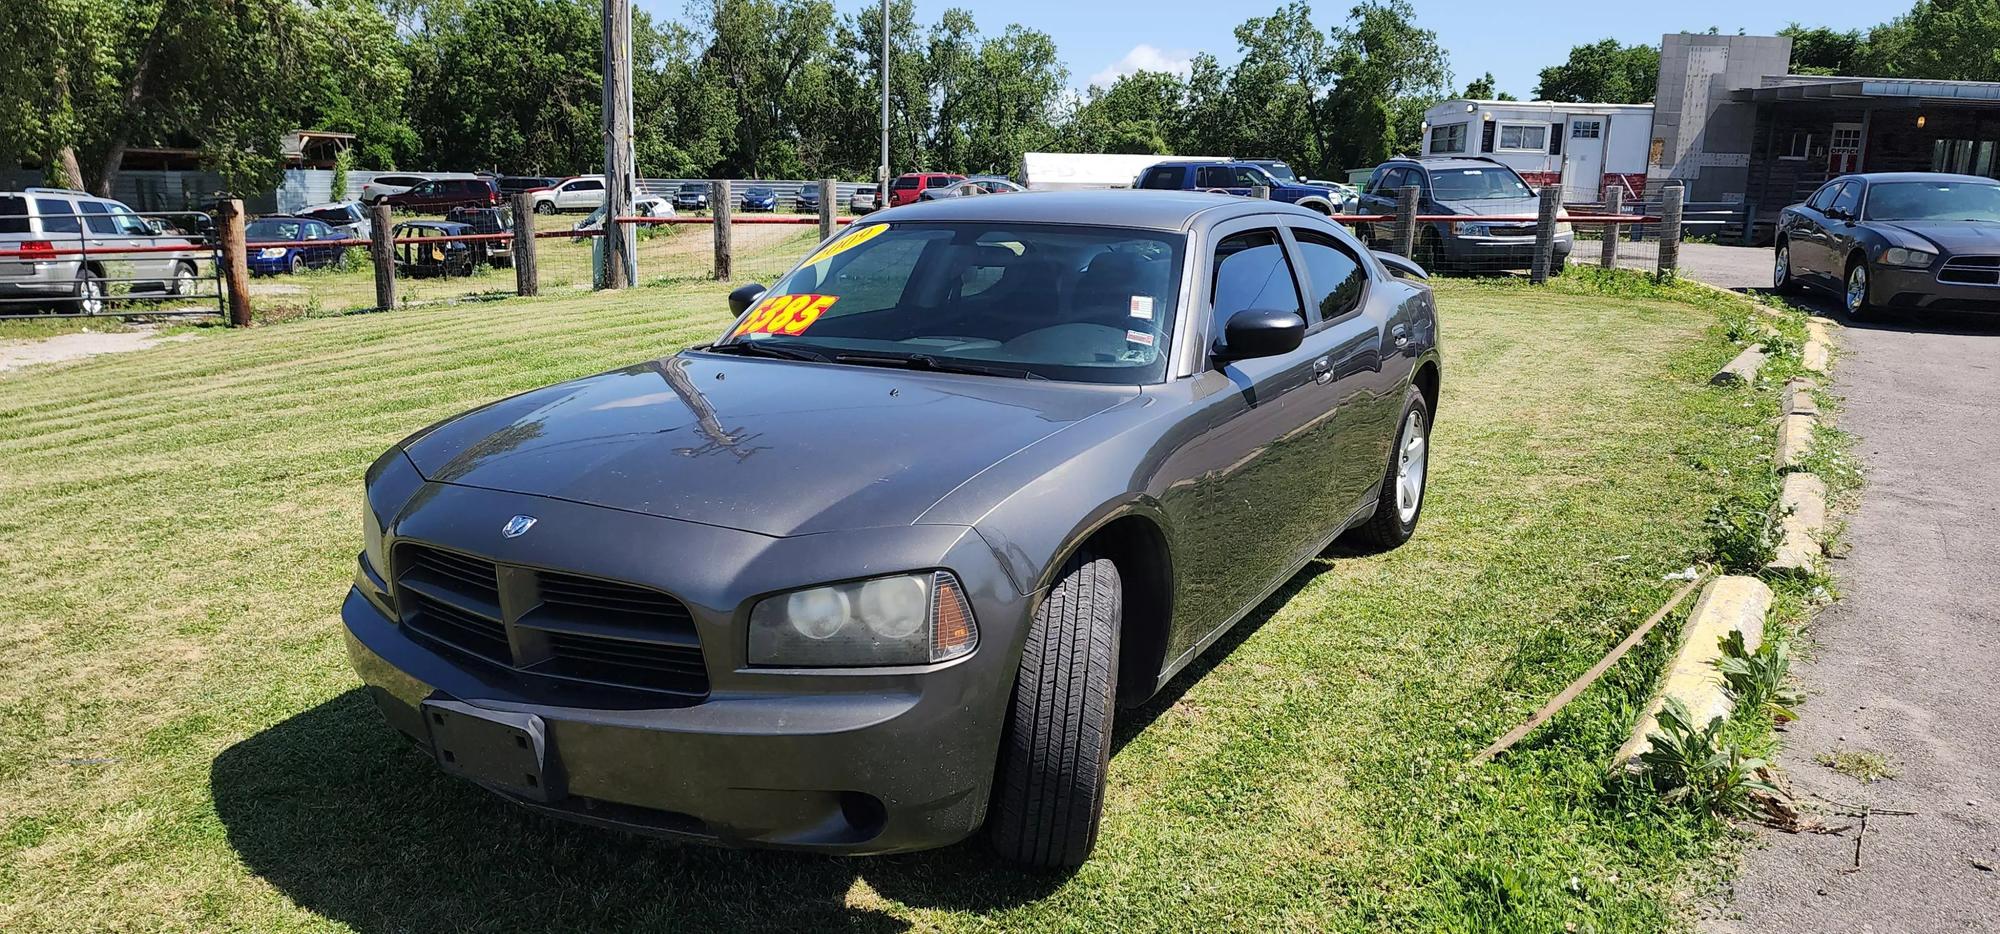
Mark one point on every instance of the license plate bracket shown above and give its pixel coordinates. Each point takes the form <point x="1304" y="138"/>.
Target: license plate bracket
<point x="506" y="750"/>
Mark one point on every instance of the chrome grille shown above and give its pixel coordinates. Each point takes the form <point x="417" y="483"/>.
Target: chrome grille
<point x="1970" y="270"/>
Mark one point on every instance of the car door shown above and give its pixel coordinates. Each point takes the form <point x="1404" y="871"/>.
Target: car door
<point x="1807" y="233"/>
<point x="1351" y="391"/>
<point x="100" y="232"/>
<point x="1380" y="198"/>
<point x="1246" y="486"/>
<point x="1840" y="227"/>
<point x="149" y="270"/>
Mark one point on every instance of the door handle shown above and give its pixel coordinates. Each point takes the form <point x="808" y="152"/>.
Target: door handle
<point x="1322" y="371"/>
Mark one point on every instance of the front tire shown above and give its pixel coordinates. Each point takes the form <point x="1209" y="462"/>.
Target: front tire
<point x="1405" y="482"/>
<point x="1048" y="796"/>
<point x="1858" y="301"/>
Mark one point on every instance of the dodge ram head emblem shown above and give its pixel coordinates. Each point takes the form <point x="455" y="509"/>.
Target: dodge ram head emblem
<point x="517" y="526"/>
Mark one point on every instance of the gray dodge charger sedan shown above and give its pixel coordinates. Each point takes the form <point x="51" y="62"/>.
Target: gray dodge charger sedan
<point x="876" y="567"/>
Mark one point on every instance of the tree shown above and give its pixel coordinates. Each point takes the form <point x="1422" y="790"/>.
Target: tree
<point x="1137" y="114"/>
<point x="1823" y="51"/>
<point x="1389" y="72"/>
<point x="1941" y="40"/>
<point x="1481" y="89"/>
<point x="511" y="85"/>
<point x="1603" y="72"/>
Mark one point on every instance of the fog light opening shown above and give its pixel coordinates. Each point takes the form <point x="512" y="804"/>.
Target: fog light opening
<point x="863" y="813"/>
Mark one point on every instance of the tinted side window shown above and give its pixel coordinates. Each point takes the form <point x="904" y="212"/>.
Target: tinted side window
<point x="1211" y="176"/>
<point x="1163" y="177"/>
<point x="1849" y="199"/>
<point x="1251" y="271"/>
<point x="1334" y="274"/>
<point x="1390" y="180"/>
<point x="587" y="185"/>
<point x="1823" y="198"/>
<point x="98" y="217"/>
<point x="903" y="184"/>
<point x="938" y="181"/>
<point x="57" y="216"/>
<point x="14" y="215"/>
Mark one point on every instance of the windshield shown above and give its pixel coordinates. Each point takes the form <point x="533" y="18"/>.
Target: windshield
<point x="333" y="215"/>
<point x="1091" y="304"/>
<point x="760" y="192"/>
<point x="273" y="230"/>
<point x="1933" y="201"/>
<point x="1477" y="185"/>
<point x="693" y="188"/>
<point x="1280" y="171"/>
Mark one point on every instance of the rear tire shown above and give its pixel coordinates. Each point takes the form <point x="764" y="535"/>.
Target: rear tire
<point x="185" y="276"/>
<point x="1400" y="507"/>
<point x="1782" y="280"/>
<point x="90" y="296"/>
<point x="1048" y="796"/>
<point x="545" y="207"/>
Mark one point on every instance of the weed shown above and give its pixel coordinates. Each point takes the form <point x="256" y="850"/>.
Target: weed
<point x="1743" y="533"/>
<point x="1759" y="680"/>
<point x="1861" y="765"/>
<point x="1693" y="765"/>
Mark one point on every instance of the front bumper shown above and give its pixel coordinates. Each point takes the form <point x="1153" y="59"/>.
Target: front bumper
<point x="1495" y="250"/>
<point x="1920" y="290"/>
<point x="854" y="761"/>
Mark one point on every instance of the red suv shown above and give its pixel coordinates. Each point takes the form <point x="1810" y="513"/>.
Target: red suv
<point x="442" y="194"/>
<point x="909" y="186"/>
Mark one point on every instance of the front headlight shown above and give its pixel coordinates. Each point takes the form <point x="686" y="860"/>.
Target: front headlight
<point x="906" y="619"/>
<point x="1470" y="229"/>
<point x="1913" y="259"/>
<point x="271" y="252"/>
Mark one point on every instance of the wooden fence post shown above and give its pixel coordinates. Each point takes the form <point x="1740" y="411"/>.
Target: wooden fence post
<point x="1614" y="204"/>
<point x="527" y="275"/>
<point x="1670" y="229"/>
<point x="1406" y="221"/>
<point x="383" y="247"/>
<point x="1545" y="232"/>
<point x="720" y="210"/>
<point x="235" y="261"/>
<point x="829" y="199"/>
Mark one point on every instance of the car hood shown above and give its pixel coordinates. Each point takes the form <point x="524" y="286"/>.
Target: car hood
<point x="1953" y="236"/>
<point x="1495" y="206"/>
<point x="767" y="446"/>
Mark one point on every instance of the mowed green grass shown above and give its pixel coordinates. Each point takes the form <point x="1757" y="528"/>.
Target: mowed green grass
<point x="183" y="747"/>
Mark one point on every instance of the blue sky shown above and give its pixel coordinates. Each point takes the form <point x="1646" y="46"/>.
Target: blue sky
<point x="1514" y="40"/>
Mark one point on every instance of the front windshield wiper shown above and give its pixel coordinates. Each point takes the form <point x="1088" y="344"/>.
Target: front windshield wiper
<point x="924" y="361"/>
<point x="768" y="349"/>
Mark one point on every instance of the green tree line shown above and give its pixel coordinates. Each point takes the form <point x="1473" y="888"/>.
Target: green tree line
<point x="769" y="88"/>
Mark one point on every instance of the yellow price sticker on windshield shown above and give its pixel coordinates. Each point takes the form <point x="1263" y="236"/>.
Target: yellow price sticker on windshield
<point x="785" y="314"/>
<point x="853" y="239"/>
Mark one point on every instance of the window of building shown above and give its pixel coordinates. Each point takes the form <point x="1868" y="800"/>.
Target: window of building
<point x="1448" y="138"/>
<point x="1797" y="145"/>
<point x="1524" y="137"/>
<point x="1586" y="129"/>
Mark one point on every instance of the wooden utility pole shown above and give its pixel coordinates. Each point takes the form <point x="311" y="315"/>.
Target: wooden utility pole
<point x="721" y="208"/>
<point x="619" y="179"/>
<point x="1614" y="204"/>
<point x="527" y="271"/>
<point x="382" y="246"/>
<point x="235" y="261"/>
<point x="829" y="205"/>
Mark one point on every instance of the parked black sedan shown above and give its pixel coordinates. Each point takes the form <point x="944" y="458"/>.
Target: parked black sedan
<point x="878" y="565"/>
<point x="1896" y="240"/>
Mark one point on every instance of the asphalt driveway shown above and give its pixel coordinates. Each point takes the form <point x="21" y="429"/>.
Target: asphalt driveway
<point x="1907" y="665"/>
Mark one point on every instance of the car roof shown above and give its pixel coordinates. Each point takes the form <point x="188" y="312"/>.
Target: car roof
<point x="1448" y="162"/>
<point x="1915" y="177"/>
<point x="285" y="217"/>
<point x="329" y="204"/>
<point x="1109" y="207"/>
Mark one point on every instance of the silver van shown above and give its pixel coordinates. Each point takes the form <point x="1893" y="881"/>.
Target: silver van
<point x="59" y="222"/>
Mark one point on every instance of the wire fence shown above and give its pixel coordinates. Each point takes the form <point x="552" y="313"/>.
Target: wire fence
<point x="69" y="258"/>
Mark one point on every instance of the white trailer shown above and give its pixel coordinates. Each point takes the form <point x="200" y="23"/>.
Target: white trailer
<point x="1582" y="147"/>
<point x="1057" y="171"/>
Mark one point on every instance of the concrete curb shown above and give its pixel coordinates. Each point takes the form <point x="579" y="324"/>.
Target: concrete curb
<point x="1726" y="605"/>
<point x="1740" y="371"/>
<point x="1798" y="399"/>
<point x="1794" y="440"/>
<point x="1802" y="501"/>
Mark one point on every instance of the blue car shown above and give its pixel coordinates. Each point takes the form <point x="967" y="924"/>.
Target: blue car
<point x="291" y="244"/>
<point x="759" y="198"/>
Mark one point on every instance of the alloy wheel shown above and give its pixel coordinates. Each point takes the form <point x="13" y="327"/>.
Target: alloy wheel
<point x="91" y="296"/>
<point x="1412" y="463"/>
<point x="1782" y="272"/>
<point x="1857" y="289"/>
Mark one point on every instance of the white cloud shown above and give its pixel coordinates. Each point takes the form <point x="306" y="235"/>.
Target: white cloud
<point x="1145" y="58"/>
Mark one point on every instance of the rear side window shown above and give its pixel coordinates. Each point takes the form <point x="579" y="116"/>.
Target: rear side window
<point x="13" y="215"/>
<point x="1333" y="273"/>
<point x="590" y="184"/>
<point x="1211" y="176"/>
<point x="98" y="217"/>
<point x="903" y="184"/>
<point x="1165" y="177"/>
<point x="1251" y="271"/>
<point x="57" y="216"/>
<point x="938" y="181"/>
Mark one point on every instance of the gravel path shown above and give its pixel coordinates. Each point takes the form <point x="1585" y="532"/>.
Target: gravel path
<point x="1907" y="665"/>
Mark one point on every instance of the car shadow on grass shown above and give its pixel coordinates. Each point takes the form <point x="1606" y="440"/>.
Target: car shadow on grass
<point x="350" y="821"/>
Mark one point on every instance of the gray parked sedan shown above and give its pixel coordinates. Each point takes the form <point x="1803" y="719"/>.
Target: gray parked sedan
<point x="878" y="566"/>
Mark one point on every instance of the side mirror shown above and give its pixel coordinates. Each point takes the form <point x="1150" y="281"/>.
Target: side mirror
<point x="743" y="296"/>
<point x="1401" y="266"/>
<point x="1260" y="332"/>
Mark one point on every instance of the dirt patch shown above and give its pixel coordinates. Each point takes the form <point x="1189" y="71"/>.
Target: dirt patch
<point x="15" y="354"/>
